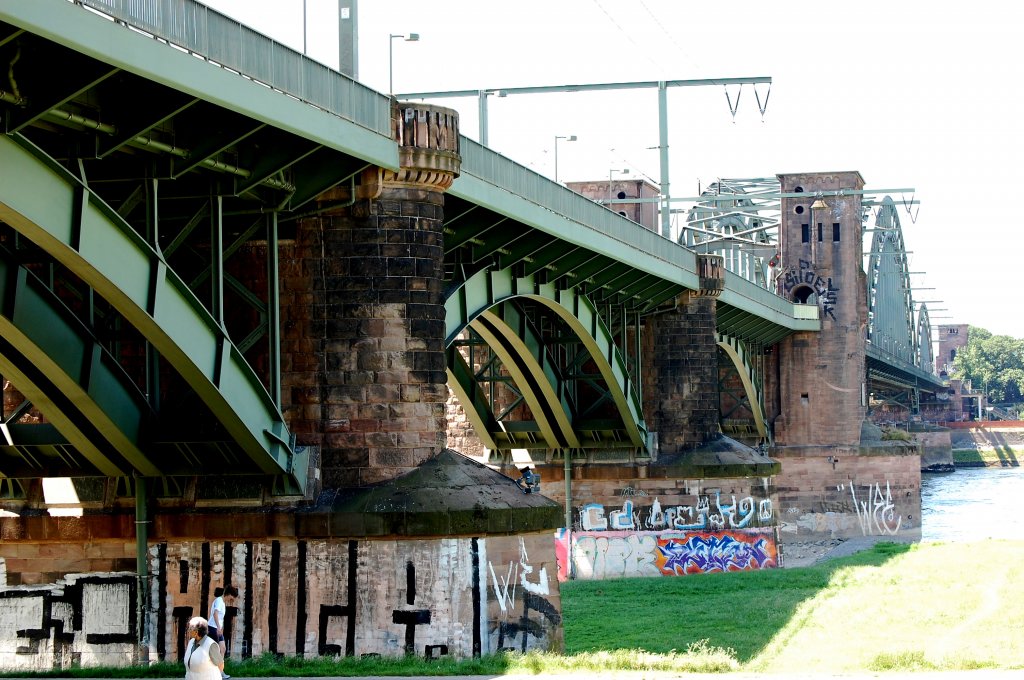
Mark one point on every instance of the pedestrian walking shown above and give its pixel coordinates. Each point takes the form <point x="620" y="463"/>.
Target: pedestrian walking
<point x="222" y="597"/>
<point x="203" y="658"/>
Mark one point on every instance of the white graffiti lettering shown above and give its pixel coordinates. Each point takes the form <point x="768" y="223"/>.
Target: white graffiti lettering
<point x="592" y="517"/>
<point x="540" y="587"/>
<point x="600" y="557"/>
<point x="878" y="510"/>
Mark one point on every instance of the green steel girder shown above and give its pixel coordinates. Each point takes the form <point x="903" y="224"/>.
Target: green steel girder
<point x="53" y="209"/>
<point x="569" y="262"/>
<point x="62" y="85"/>
<point x="582" y="273"/>
<point x="627" y="293"/>
<point x="207" y="131"/>
<point x="613" y="274"/>
<point x="271" y="153"/>
<point x="475" y="403"/>
<point x="540" y="261"/>
<point x="668" y="291"/>
<point x="60" y="367"/>
<point x="737" y="352"/>
<point x="498" y="240"/>
<point x="163" y="104"/>
<point x="524" y="248"/>
<point x="487" y="288"/>
<point x="890" y="302"/>
<point x="925" y="352"/>
<point x="521" y="349"/>
<point x="745" y="325"/>
<point x="319" y="172"/>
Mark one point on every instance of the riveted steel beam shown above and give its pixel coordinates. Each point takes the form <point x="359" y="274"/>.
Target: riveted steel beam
<point x="61" y="368"/>
<point x="522" y="351"/>
<point x="45" y="203"/>
<point x="471" y="298"/>
<point x="740" y="357"/>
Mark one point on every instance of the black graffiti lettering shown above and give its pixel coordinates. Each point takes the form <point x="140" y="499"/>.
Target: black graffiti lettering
<point x="181" y="615"/>
<point x="432" y="652"/>
<point x="328" y="611"/>
<point x="410" y="619"/>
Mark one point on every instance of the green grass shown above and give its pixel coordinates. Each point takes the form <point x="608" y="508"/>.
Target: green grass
<point x="1002" y="455"/>
<point x="896" y="607"/>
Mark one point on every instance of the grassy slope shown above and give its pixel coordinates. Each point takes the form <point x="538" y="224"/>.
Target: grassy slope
<point x="894" y="607"/>
<point x="1007" y="456"/>
<point x="944" y="606"/>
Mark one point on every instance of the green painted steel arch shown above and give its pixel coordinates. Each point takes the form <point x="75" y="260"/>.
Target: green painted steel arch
<point x="55" y="210"/>
<point x="58" y="365"/>
<point x="925" y="353"/>
<point x="890" y="304"/>
<point x="522" y="353"/>
<point x="488" y="288"/>
<point x="737" y="352"/>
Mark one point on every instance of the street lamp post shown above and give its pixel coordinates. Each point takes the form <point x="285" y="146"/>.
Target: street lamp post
<point x="568" y="138"/>
<point x="408" y="37"/>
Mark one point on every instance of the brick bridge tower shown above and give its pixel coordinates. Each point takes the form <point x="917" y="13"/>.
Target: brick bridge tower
<point x="822" y="375"/>
<point x="838" y="479"/>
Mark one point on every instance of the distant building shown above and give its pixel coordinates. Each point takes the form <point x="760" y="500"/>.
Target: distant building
<point x="952" y="338"/>
<point x="645" y="213"/>
<point x="962" y="402"/>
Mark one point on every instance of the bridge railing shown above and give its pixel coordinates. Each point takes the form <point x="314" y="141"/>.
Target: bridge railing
<point x="500" y="171"/>
<point x="192" y="26"/>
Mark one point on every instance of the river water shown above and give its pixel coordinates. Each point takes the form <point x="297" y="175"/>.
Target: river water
<point x="971" y="504"/>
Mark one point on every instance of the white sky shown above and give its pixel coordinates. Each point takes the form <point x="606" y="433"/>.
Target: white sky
<point x="928" y="95"/>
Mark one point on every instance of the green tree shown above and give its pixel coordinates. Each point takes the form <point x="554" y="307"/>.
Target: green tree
<point x="994" y="364"/>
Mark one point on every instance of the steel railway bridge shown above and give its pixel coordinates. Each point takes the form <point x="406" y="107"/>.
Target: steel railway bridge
<point x="148" y="145"/>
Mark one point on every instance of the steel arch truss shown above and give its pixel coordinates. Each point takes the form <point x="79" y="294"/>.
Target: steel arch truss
<point x="536" y="367"/>
<point x="926" y="357"/>
<point x="744" y="231"/>
<point x="60" y="215"/>
<point x="891" y="326"/>
<point x="748" y="393"/>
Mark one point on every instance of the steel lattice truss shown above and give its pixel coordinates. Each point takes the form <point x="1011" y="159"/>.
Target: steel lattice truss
<point x="739" y="220"/>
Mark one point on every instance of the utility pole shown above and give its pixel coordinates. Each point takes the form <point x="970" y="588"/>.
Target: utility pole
<point x="661" y="85"/>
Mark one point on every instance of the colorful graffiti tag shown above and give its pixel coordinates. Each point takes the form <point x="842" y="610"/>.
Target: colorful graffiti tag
<point x="701" y="516"/>
<point x="616" y="554"/>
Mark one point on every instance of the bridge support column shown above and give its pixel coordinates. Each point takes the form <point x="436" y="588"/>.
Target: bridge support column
<point x="682" y="394"/>
<point x="375" y="391"/>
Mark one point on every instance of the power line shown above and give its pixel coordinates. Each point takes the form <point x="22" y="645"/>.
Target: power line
<point x="639" y="47"/>
<point x="671" y="38"/>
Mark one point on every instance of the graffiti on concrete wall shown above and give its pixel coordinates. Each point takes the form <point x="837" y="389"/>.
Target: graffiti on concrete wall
<point x="615" y="554"/>
<point x="330" y="598"/>
<point x="856" y="507"/>
<point x="702" y="515"/>
<point x="520" y="631"/>
<point x="82" y="620"/>
<point x="804" y="275"/>
<point x="875" y="510"/>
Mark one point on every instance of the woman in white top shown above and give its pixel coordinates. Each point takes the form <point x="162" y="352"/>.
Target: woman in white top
<point x="203" y="660"/>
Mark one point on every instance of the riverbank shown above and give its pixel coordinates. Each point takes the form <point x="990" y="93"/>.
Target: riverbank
<point x="988" y="456"/>
<point x="799" y="554"/>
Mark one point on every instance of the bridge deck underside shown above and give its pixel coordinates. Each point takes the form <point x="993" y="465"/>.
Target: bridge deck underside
<point x="192" y="163"/>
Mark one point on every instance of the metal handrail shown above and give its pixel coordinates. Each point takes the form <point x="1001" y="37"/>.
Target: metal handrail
<point x="221" y="40"/>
